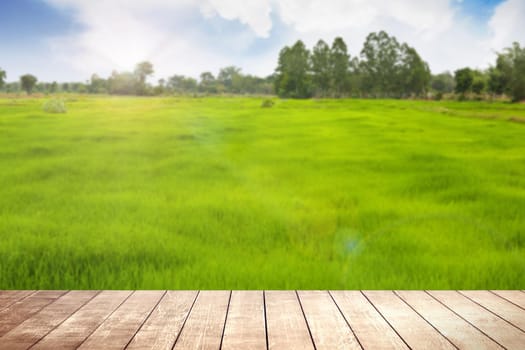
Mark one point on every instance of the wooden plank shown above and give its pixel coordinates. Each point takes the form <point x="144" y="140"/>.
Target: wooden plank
<point x="165" y="323"/>
<point x="10" y="297"/>
<point x="454" y="328"/>
<point x="119" y="328"/>
<point x="327" y="325"/>
<point x="416" y="332"/>
<point x="205" y="324"/>
<point x="287" y="328"/>
<point x="368" y="325"/>
<point x="514" y="296"/>
<point x="501" y="307"/>
<point x="36" y="327"/>
<point x="73" y="331"/>
<point x="23" y="309"/>
<point x="245" y="326"/>
<point x="505" y="334"/>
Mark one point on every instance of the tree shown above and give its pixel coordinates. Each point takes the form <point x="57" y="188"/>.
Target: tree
<point x="414" y="72"/>
<point x="321" y="72"/>
<point x="97" y="85"/>
<point x="207" y="82"/>
<point x="478" y="85"/>
<point x="231" y="78"/>
<point x="123" y="83"/>
<point x="355" y="77"/>
<point x="511" y="67"/>
<point x="53" y="87"/>
<point x="182" y="84"/>
<point x="497" y="81"/>
<point x="443" y="83"/>
<point x="479" y="82"/>
<point x="3" y="76"/>
<point x="143" y="70"/>
<point x="28" y="82"/>
<point x="339" y="67"/>
<point x="379" y="66"/>
<point x="517" y="83"/>
<point x="292" y="75"/>
<point x="464" y="79"/>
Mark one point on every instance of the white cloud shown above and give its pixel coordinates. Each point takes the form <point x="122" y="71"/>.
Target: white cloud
<point x="255" y="14"/>
<point x="185" y="36"/>
<point x="321" y="16"/>
<point x="506" y="25"/>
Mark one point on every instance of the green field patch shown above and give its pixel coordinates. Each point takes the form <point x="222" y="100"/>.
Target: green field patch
<point x="214" y="193"/>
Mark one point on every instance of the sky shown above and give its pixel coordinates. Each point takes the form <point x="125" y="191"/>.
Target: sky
<point x="69" y="40"/>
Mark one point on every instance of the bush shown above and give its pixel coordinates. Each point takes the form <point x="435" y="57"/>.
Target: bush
<point x="55" y="106"/>
<point x="267" y="103"/>
<point x="462" y="97"/>
<point x="438" y="96"/>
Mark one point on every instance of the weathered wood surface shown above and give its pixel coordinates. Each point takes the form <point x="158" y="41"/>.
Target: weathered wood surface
<point x="262" y="320"/>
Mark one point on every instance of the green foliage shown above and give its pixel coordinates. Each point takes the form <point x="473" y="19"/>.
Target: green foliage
<point x="414" y="72"/>
<point x="443" y="83"/>
<point x="267" y="103"/>
<point x="99" y="85"/>
<point x="515" y="58"/>
<point x="391" y="69"/>
<point x="508" y="76"/>
<point x="28" y="83"/>
<point x="123" y="83"/>
<point x="142" y="71"/>
<point x="478" y="85"/>
<point x="293" y="72"/>
<point x="464" y="78"/>
<point x="208" y="84"/>
<point x="339" y="67"/>
<point x="321" y="68"/>
<point x="231" y="78"/>
<point x="210" y="193"/>
<point x="181" y="84"/>
<point x="55" y="106"/>
<point x="3" y="76"/>
<point x="379" y="65"/>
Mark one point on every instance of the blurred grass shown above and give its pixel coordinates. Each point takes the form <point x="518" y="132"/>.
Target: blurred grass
<point x="190" y="193"/>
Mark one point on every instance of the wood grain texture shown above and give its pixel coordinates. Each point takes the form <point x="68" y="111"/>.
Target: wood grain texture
<point x="23" y="309"/>
<point x="118" y="329"/>
<point x="245" y="325"/>
<point x="205" y="324"/>
<point x="327" y="325"/>
<point x="503" y="333"/>
<point x="368" y="325"/>
<point x="287" y="328"/>
<point x="163" y="326"/>
<point x="514" y="296"/>
<point x="72" y="332"/>
<point x="416" y="332"/>
<point x="9" y="297"/>
<point x="262" y="320"/>
<point x="501" y="307"/>
<point x="35" y="328"/>
<point x="454" y="328"/>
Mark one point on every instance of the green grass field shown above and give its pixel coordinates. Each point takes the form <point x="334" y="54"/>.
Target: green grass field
<point x="190" y="193"/>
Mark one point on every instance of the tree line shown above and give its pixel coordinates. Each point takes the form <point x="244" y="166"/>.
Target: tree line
<point x="387" y="68"/>
<point x="384" y="68"/>
<point x="229" y="80"/>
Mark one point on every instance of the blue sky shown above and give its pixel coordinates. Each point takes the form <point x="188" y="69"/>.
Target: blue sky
<point x="68" y="40"/>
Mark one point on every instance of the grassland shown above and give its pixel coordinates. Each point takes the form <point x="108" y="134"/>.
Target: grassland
<point x="221" y="193"/>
